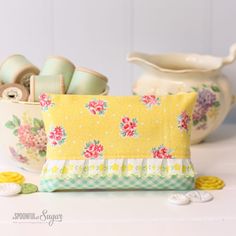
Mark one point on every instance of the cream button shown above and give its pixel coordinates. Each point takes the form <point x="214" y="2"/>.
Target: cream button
<point x="199" y="196"/>
<point x="178" y="199"/>
<point x="9" y="189"/>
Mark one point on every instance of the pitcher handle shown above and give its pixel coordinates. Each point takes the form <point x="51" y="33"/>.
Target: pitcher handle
<point x="231" y="57"/>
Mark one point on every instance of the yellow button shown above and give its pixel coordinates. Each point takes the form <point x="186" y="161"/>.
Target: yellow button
<point x="209" y="183"/>
<point x="11" y="177"/>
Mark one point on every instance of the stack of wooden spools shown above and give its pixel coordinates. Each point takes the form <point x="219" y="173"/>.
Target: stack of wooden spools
<point x="23" y="81"/>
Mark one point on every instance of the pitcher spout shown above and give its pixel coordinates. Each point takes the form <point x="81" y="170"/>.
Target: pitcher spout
<point x="176" y="63"/>
<point x="143" y="60"/>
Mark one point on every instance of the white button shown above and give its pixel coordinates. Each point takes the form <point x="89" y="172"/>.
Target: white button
<point x="178" y="199"/>
<point x="199" y="196"/>
<point x="9" y="189"/>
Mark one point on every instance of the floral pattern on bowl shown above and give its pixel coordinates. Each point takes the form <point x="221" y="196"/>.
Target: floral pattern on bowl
<point x="31" y="139"/>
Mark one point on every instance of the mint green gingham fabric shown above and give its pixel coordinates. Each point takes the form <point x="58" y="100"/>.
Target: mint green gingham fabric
<point x="115" y="182"/>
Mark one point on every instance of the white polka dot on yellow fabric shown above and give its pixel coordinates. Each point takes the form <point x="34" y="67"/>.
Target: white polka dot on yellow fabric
<point x="105" y="128"/>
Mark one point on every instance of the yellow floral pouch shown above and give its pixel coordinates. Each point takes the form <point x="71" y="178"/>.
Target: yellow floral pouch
<point x="125" y="142"/>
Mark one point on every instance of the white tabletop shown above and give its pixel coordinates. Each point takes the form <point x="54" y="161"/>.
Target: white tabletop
<point x="134" y="212"/>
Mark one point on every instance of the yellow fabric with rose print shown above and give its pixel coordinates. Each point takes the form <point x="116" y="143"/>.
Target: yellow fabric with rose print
<point x="111" y="127"/>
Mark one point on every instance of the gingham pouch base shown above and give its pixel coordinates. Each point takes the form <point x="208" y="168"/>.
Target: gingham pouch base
<point x="115" y="182"/>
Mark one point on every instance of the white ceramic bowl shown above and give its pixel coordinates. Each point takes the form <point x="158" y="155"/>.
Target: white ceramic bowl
<point x="22" y="133"/>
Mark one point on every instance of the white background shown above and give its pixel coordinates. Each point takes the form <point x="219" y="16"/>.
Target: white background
<point x="99" y="33"/>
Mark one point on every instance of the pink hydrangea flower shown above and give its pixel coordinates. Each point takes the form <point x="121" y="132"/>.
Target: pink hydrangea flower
<point x="26" y="137"/>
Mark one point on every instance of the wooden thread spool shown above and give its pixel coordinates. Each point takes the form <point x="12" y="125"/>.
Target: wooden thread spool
<point x="86" y="81"/>
<point x="45" y="84"/>
<point x="17" y="69"/>
<point x="14" y="92"/>
<point x="56" y="65"/>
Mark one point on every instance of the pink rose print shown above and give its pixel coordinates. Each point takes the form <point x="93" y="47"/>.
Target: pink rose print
<point x="161" y="152"/>
<point x="183" y="121"/>
<point x="150" y="100"/>
<point x="93" y="150"/>
<point x="45" y="102"/>
<point x="97" y="106"/>
<point x="128" y="127"/>
<point x="57" y="136"/>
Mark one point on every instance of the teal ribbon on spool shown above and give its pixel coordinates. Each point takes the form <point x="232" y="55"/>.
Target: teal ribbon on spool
<point x="17" y="69"/>
<point x="59" y="66"/>
<point x="86" y="81"/>
<point x="46" y="84"/>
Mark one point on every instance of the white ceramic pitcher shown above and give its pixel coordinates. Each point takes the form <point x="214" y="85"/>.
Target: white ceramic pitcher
<point x="173" y="73"/>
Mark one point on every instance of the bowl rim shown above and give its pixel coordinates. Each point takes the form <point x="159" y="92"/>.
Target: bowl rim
<point x="106" y="91"/>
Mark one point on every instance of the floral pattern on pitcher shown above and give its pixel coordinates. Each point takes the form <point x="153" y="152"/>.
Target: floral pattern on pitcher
<point x="45" y="102"/>
<point x="162" y="152"/>
<point x="150" y="100"/>
<point x="207" y="105"/>
<point x="31" y="136"/>
<point x="97" y="106"/>
<point x="56" y="136"/>
<point x="93" y="149"/>
<point x="128" y="127"/>
<point x="183" y="121"/>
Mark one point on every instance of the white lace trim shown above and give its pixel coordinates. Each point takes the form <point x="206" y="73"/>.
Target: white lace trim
<point x="119" y="167"/>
